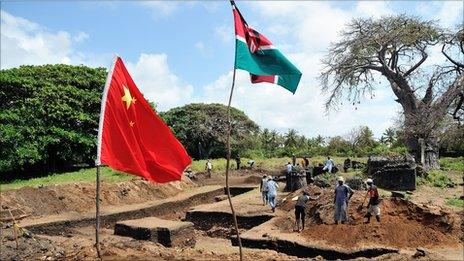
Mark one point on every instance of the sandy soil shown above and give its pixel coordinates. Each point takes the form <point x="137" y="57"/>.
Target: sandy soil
<point x="80" y="197"/>
<point x="404" y="225"/>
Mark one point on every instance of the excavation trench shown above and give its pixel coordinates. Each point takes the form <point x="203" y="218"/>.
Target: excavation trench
<point x="173" y="210"/>
<point x="294" y="248"/>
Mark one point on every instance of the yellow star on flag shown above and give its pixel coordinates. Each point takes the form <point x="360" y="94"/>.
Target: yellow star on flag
<point x="127" y="98"/>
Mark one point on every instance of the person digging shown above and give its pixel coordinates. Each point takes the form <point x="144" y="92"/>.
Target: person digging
<point x="374" y="201"/>
<point x="300" y="208"/>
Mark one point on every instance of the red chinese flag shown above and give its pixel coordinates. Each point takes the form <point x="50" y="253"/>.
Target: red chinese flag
<point x="131" y="137"/>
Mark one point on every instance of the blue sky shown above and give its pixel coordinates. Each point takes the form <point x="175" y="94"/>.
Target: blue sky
<point x="182" y="52"/>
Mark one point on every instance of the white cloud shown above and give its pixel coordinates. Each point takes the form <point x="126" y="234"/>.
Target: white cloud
<point x="225" y="33"/>
<point x="451" y="13"/>
<point x="374" y="9"/>
<point x="162" y="8"/>
<point x="273" y="107"/>
<point x="80" y="37"/>
<point x="155" y="80"/>
<point x="206" y="51"/>
<point x="26" y="42"/>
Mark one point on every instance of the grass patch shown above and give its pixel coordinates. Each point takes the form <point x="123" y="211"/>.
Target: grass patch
<point x="452" y="163"/>
<point x="84" y="175"/>
<point x="436" y="178"/>
<point x="457" y="202"/>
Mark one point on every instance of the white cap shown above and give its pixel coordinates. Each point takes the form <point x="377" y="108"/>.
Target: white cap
<point x="340" y="179"/>
<point x="369" y="181"/>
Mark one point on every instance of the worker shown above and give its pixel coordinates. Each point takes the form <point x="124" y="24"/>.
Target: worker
<point x="300" y="208"/>
<point x="328" y="165"/>
<point x="263" y="189"/>
<point x="374" y="201"/>
<point x="272" y="187"/>
<point x="346" y="164"/>
<point x="208" y="168"/>
<point x="238" y="161"/>
<point x="303" y="163"/>
<point x="343" y="194"/>
<point x="306" y="160"/>
<point x="288" y="168"/>
<point x="250" y="163"/>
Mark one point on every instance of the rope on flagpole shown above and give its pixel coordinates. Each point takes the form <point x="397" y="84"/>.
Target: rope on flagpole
<point x="229" y="130"/>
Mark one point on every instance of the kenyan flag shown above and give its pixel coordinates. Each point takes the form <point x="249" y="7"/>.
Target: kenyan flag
<point x="256" y="54"/>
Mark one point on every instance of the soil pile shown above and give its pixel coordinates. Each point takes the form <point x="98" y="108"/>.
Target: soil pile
<point x="236" y="177"/>
<point x="80" y="197"/>
<point x="403" y="224"/>
<point x="30" y="247"/>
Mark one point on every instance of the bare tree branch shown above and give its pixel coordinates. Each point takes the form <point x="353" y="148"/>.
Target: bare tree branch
<point x="422" y="60"/>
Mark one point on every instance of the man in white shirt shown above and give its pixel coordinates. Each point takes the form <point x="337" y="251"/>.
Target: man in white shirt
<point x="328" y="165"/>
<point x="208" y="168"/>
<point x="272" y="193"/>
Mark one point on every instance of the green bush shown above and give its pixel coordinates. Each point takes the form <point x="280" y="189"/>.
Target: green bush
<point x="457" y="202"/>
<point x="436" y="178"/>
<point x="452" y="163"/>
<point x="383" y="149"/>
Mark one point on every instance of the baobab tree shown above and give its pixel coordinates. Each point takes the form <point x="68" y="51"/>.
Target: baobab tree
<point x="398" y="49"/>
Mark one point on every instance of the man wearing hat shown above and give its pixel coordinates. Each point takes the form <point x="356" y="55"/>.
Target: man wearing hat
<point x="373" y="208"/>
<point x="343" y="194"/>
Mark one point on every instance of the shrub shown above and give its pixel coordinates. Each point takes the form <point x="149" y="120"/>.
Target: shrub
<point x="437" y="178"/>
<point x="452" y="163"/>
<point x="455" y="202"/>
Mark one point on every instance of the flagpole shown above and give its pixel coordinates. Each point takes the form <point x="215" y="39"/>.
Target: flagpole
<point x="97" y="213"/>
<point x="98" y="160"/>
<point x="229" y="130"/>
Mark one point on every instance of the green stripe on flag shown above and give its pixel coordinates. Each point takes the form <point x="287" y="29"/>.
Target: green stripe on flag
<point x="267" y="62"/>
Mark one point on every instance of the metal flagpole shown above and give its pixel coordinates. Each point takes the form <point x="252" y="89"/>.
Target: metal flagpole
<point x="229" y="130"/>
<point x="97" y="213"/>
<point x="98" y="160"/>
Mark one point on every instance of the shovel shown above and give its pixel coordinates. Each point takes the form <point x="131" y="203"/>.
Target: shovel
<point x="362" y="205"/>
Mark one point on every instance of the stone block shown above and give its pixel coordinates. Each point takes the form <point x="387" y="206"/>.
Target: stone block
<point x="376" y="163"/>
<point x="169" y="233"/>
<point x="395" y="178"/>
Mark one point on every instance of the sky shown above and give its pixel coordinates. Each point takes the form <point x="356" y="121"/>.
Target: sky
<point x="179" y="52"/>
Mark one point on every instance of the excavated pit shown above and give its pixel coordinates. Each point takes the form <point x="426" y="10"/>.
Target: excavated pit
<point x="262" y="229"/>
<point x="220" y="224"/>
<point x="294" y="248"/>
<point x="172" y="210"/>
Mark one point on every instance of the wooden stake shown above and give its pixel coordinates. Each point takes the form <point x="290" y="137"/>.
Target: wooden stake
<point x="229" y="130"/>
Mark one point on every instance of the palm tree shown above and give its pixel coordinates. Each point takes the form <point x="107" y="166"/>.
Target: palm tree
<point x="388" y="137"/>
<point x="291" y="138"/>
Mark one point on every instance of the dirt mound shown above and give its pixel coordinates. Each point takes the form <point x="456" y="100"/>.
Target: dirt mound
<point x="236" y="177"/>
<point x="80" y="197"/>
<point x="30" y="248"/>
<point x="253" y="180"/>
<point x="287" y="204"/>
<point x="403" y="224"/>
